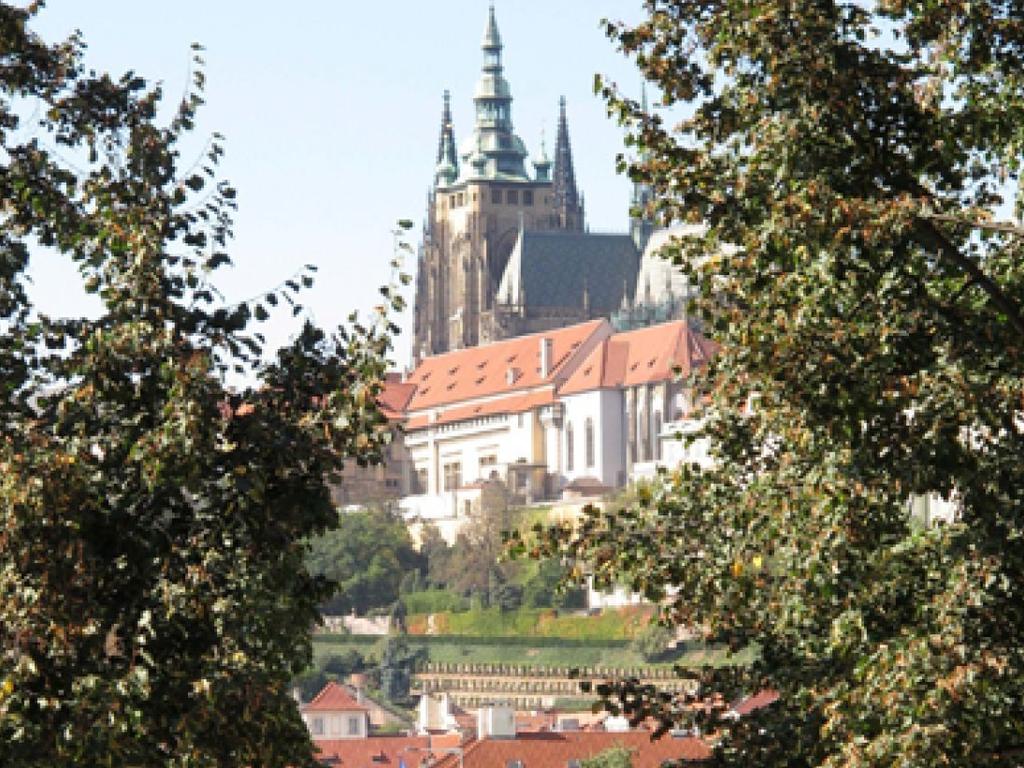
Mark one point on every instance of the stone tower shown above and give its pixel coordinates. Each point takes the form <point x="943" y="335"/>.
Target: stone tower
<point x="481" y="198"/>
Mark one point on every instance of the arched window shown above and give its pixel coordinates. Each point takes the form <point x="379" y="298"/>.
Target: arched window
<point x="588" y="438"/>
<point x="568" y="447"/>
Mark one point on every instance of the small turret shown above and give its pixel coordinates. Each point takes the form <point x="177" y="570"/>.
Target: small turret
<point x="447" y="159"/>
<point x="542" y="164"/>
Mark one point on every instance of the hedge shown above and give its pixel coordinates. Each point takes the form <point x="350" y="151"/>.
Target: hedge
<point x="488" y="640"/>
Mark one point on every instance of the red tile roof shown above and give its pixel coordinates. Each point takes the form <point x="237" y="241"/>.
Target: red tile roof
<point x="640" y="357"/>
<point x="334" y="698"/>
<point x="395" y="396"/>
<point x="555" y="750"/>
<point x="510" y="404"/>
<point x="374" y="751"/>
<point x="759" y="700"/>
<point x="482" y="371"/>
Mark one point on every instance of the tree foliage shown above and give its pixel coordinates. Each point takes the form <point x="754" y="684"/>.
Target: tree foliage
<point x="152" y="520"/>
<point x="366" y="555"/>
<point x="613" y="757"/>
<point x="848" y="160"/>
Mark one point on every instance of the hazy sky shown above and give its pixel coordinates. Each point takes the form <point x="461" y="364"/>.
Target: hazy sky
<point x="331" y="111"/>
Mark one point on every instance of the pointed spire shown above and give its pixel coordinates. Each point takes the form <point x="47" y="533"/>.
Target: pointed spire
<point x="447" y="157"/>
<point x="566" y="194"/>
<point x="492" y="38"/>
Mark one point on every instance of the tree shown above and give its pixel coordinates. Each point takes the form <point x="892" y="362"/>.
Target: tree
<point x="152" y="519"/>
<point x="367" y="555"/>
<point x="544" y="588"/>
<point x="848" y="161"/>
<point x="652" y="641"/>
<point x="613" y="757"/>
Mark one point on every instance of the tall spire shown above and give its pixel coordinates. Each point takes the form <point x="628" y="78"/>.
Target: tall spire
<point x="492" y="38"/>
<point x="503" y="152"/>
<point x="447" y="158"/>
<point x="641" y="226"/>
<point x="567" y="197"/>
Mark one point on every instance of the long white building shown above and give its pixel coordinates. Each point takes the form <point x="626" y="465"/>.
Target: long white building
<point x="577" y="410"/>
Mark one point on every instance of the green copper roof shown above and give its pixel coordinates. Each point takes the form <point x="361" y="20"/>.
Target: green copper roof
<point x="493" y="151"/>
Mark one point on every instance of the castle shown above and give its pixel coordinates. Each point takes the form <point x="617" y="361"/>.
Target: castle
<point x="506" y="251"/>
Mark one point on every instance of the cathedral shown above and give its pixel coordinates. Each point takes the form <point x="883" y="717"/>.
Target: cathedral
<point x="506" y="250"/>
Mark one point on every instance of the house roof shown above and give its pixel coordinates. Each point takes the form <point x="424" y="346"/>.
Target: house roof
<point x="555" y="750"/>
<point x="759" y="700"/>
<point x="334" y="698"/>
<point x="374" y="751"/>
<point x="552" y="268"/>
<point x="483" y="371"/>
<point x="395" y="396"/>
<point x="640" y="357"/>
<point x="512" y="404"/>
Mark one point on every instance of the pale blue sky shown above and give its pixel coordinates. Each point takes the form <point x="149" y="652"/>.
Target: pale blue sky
<point x="331" y="112"/>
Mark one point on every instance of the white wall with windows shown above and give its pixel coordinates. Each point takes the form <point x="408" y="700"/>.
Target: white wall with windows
<point x="592" y="432"/>
<point x="337" y="725"/>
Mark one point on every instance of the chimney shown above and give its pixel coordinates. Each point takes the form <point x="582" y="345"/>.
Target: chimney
<point x="546" y="346"/>
<point x="496" y="721"/>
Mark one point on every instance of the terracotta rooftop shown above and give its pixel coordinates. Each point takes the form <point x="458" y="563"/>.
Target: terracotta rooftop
<point x="640" y="357"/>
<point x="759" y="700"/>
<point x="486" y="370"/>
<point x="555" y="750"/>
<point x="511" y="404"/>
<point x="374" y="751"/>
<point x="395" y="396"/>
<point x="334" y="698"/>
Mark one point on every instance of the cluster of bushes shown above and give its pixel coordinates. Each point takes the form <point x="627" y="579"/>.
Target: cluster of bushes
<point x="371" y="558"/>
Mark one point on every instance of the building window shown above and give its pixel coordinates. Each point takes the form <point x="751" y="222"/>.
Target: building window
<point x="588" y="441"/>
<point x="353" y="726"/>
<point x="496" y="197"/>
<point x="487" y="464"/>
<point x="513" y="197"/>
<point x="467" y="507"/>
<point x="452" y="201"/>
<point x="421" y="480"/>
<point x="452" y="475"/>
<point x="462" y="198"/>
<point x="318" y="726"/>
<point x="657" y="436"/>
<point x="569" y="448"/>
<point x="527" y="197"/>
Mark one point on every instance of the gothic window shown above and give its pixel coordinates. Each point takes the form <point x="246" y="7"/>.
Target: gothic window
<point x="588" y="440"/>
<point x="528" y="197"/>
<point x="513" y="197"/>
<point x="569" y="448"/>
<point x="496" y="197"/>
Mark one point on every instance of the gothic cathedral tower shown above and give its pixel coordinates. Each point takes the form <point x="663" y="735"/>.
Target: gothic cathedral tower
<point x="481" y="199"/>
